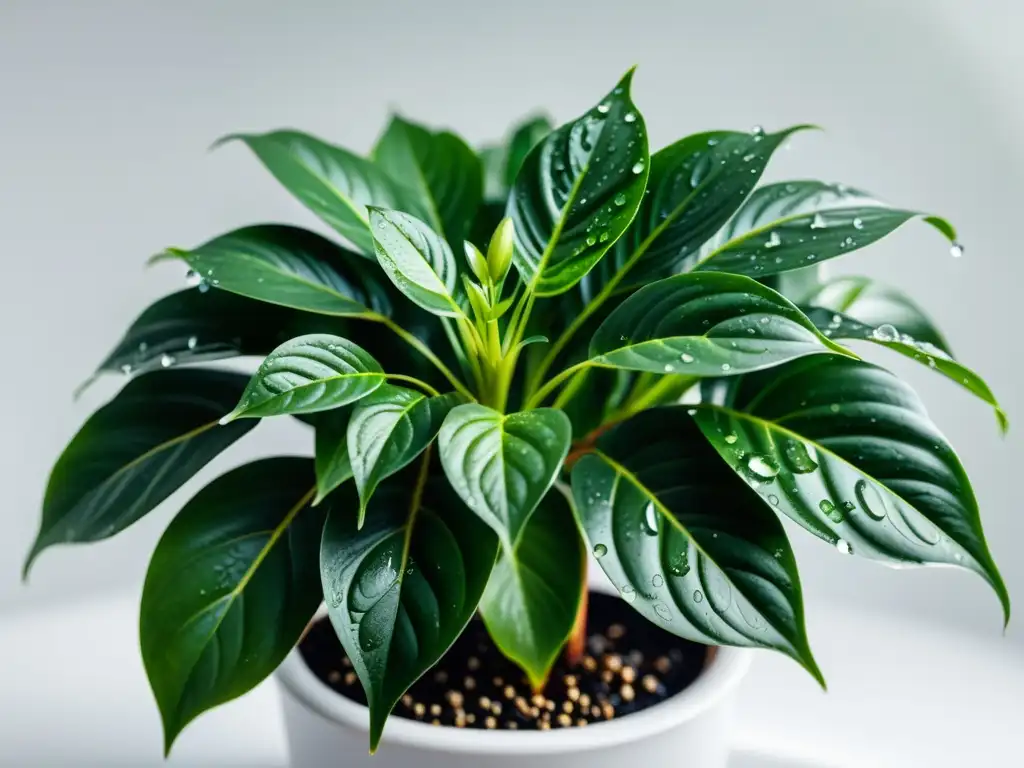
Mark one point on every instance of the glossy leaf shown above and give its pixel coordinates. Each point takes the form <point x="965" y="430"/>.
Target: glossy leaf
<point x="418" y="261"/>
<point x="577" y="192"/>
<point x="695" y="185"/>
<point x="793" y="224"/>
<point x="532" y="598"/>
<point x="525" y="136"/>
<point x="492" y="158"/>
<point x="194" y="327"/>
<point x="288" y="266"/>
<point x="136" y="451"/>
<point x="231" y="586"/>
<point x="401" y="589"/>
<point x="502" y="465"/>
<point x="843" y="328"/>
<point x="686" y="542"/>
<point x="309" y="374"/>
<point x="332" y="182"/>
<point x="847" y="450"/>
<point x="705" y="325"/>
<point x="333" y="464"/>
<point x="389" y="428"/>
<point x="875" y="304"/>
<point x="441" y="173"/>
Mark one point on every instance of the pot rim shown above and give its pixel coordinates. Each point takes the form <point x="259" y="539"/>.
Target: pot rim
<point x="719" y="678"/>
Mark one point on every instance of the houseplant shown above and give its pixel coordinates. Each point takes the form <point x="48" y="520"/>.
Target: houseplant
<point x="485" y="416"/>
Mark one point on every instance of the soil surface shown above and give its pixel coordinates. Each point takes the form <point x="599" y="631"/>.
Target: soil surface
<point x="630" y="665"/>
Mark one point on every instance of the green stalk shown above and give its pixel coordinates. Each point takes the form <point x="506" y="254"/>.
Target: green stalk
<point x="543" y="392"/>
<point x="424" y="350"/>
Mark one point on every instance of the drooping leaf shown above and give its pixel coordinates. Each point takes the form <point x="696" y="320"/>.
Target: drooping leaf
<point x="401" y="590"/>
<point x="332" y="182"/>
<point x="843" y="328"/>
<point x="231" y="586"/>
<point x="875" y="304"/>
<point x="794" y="224"/>
<point x="136" y="451"/>
<point x="847" y="450"/>
<point x="525" y="136"/>
<point x="193" y="327"/>
<point x="686" y="543"/>
<point x="418" y="261"/>
<point x="439" y="170"/>
<point x="389" y="428"/>
<point x="309" y="374"/>
<point x="531" y="601"/>
<point x="577" y="192"/>
<point x="705" y="325"/>
<point x="695" y="185"/>
<point x="333" y="464"/>
<point x="503" y="464"/>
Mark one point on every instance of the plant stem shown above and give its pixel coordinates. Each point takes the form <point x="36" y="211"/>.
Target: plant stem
<point x="413" y="380"/>
<point x="424" y="350"/>
<point x="540" y="394"/>
<point x="571" y="388"/>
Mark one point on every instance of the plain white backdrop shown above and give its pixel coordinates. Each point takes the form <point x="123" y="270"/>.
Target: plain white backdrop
<point x="107" y="109"/>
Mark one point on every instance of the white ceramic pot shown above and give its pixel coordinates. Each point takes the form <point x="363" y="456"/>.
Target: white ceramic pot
<point x="690" y="730"/>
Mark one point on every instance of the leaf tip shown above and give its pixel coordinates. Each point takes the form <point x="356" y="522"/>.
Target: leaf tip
<point x="225" y="420"/>
<point x="1004" y="421"/>
<point x="226" y="139"/>
<point x="943" y="226"/>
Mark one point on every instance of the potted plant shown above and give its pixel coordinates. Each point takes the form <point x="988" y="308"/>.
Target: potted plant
<point x="519" y="358"/>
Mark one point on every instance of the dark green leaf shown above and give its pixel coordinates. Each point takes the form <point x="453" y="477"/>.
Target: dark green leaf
<point x="532" y="598"/>
<point x="492" y="158"/>
<point x="401" y="590"/>
<point x="705" y="325"/>
<point x="231" y="586"/>
<point x="685" y="542"/>
<point x="696" y="184"/>
<point x="390" y="428"/>
<point x="875" y="304"/>
<point x="442" y="174"/>
<point x="577" y="192"/>
<point x="525" y="137"/>
<point x="841" y="327"/>
<point x="332" y="182"/>
<point x="418" y="261"/>
<point x="502" y="465"/>
<point x="136" y="451"/>
<point x="847" y="450"/>
<point x="333" y="465"/>
<point x="308" y="374"/>
<point x="794" y="224"/>
<point x="289" y="266"/>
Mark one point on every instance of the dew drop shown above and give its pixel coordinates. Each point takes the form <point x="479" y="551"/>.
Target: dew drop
<point x="679" y="566"/>
<point x="834" y="407"/>
<point x="658" y="580"/>
<point x="630" y="117"/>
<point x="726" y="367"/>
<point x="600" y="550"/>
<point x="844" y="546"/>
<point x="731" y="438"/>
<point x="830" y="510"/>
<point x="870" y="500"/>
<point x="203" y="287"/>
<point x="166" y="361"/>
<point x="591" y="240"/>
<point x="638" y="167"/>
<point x="818" y="222"/>
<point x="620" y="199"/>
<point x="773" y="500"/>
<point x="193" y="278"/>
<point x="126" y="369"/>
<point x="886" y="332"/>
<point x="773" y="240"/>
<point x="603" y="107"/>
<point x="698" y="596"/>
<point x="192" y="342"/>
<point x="650" y="519"/>
<point x="764" y="467"/>
<point x="956" y="250"/>
<point x="628" y="593"/>
<point x="686" y="357"/>
<point x="858" y="223"/>
<point x="757" y="132"/>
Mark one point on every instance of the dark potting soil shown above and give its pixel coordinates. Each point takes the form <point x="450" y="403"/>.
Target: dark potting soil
<point x="630" y="665"/>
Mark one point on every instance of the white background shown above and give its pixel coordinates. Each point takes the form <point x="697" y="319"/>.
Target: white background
<point x="107" y="109"/>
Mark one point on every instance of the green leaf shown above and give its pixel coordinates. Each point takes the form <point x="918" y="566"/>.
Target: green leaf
<point x="531" y="601"/>
<point x="193" y="327"/>
<point x="418" y="261"/>
<point x="333" y="465"/>
<point x="847" y="450"/>
<point x="231" y="586"/>
<point x="442" y="174"/>
<point x="794" y="224"/>
<point x="577" y="192"/>
<point x="841" y="327"/>
<point x="309" y="374"/>
<point x="288" y="266"/>
<point x="492" y="158"/>
<point x="390" y="428"/>
<point x="401" y="590"/>
<point x="875" y="304"/>
<point x="502" y="465"/>
<point x="332" y="182"/>
<point x="686" y="543"/>
<point x="136" y="451"/>
<point x="525" y="137"/>
<point x="695" y="185"/>
<point x="705" y="325"/>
